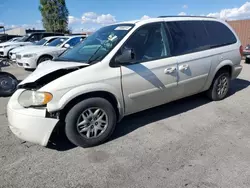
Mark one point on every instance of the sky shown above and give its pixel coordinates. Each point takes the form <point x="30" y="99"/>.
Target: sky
<point x="89" y="15"/>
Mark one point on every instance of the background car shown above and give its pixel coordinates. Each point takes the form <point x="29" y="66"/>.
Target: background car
<point x="246" y="53"/>
<point x="15" y="39"/>
<point x="43" y="42"/>
<point x="30" y="59"/>
<point x="28" y="39"/>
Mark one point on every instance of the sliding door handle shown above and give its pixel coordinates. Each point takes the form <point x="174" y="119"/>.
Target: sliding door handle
<point x="170" y="70"/>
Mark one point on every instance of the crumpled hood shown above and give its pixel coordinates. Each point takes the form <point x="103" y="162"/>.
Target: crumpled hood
<point x="48" y="67"/>
<point x="42" y="49"/>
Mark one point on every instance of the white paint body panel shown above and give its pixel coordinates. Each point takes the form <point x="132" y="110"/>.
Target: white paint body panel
<point x="11" y="45"/>
<point x="52" y="51"/>
<point x="136" y="87"/>
<point x="29" y="124"/>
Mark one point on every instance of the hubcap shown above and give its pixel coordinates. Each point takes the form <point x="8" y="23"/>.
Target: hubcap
<point x="92" y="123"/>
<point x="222" y="86"/>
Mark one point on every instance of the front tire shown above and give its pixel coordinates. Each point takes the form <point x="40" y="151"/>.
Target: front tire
<point x="8" y="84"/>
<point x="220" y="86"/>
<point x="90" y="122"/>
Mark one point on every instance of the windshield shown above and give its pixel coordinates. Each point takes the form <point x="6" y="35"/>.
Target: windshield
<point x="98" y="45"/>
<point x="13" y="39"/>
<point x="24" y="38"/>
<point x="58" y="41"/>
<point x="41" y="42"/>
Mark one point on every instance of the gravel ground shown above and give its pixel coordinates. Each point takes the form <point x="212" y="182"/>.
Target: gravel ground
<point x="188" y="143"/>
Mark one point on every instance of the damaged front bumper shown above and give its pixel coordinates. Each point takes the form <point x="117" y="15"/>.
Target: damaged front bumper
<point x="29" y="124"/>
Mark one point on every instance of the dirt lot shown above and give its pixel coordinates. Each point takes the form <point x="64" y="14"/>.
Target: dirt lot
<point x="189" y="143"/>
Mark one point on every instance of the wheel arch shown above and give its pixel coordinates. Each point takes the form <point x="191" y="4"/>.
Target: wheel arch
<point x="100" y="93"/>
<point x="224" y="65"/>
<point x="43" y="55"/>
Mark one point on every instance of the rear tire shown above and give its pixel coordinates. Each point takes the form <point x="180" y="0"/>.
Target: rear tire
<point x="220" y="86"/>
<point x="80" y="125"/>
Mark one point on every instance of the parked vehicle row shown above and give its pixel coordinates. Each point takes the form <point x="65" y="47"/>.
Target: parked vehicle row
<point x="28" y="39"/>
<point x="30" y="58"/>
<point x="119" y="70"/>
<point x="43" y="42"/>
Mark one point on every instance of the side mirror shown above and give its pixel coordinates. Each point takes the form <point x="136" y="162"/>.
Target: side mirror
<point x="66" y="46"/>
<point x="127" y="56"/>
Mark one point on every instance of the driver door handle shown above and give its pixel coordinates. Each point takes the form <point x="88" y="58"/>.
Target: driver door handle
<point x="169" y="70"/>
<point x="183" y="67"/>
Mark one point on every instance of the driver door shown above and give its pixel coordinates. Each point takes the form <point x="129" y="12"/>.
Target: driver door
<point x="151" y="79"/>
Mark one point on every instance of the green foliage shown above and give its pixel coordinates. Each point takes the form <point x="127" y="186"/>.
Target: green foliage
<point x="54" y="15"/>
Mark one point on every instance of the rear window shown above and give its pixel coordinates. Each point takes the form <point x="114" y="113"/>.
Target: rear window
<point x="220" y="34"/>
<point x="188" y="37"/>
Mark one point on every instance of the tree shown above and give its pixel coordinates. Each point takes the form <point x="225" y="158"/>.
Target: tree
<point x="54" y="15"/>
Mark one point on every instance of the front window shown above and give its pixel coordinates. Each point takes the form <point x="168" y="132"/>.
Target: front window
<point x="149" y="42"/>
<point x="58" y="42"/>
<point x="95" y="47"/>
<point x="41" y="42"/>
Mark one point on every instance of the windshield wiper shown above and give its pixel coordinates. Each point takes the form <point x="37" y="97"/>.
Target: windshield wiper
<point x="102" y="45"/>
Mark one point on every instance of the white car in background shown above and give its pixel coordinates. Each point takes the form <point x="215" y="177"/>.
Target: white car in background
<point x="15" y="39"/>
<point x="30" y="59"/>
<point x="5" y="47"/>
<point x="43" y="42"/>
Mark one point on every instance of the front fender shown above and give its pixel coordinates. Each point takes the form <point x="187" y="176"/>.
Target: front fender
<point x="63" y="98"/>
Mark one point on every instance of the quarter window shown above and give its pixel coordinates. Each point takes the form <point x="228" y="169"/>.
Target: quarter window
<point x="148" y="42"/>
<point x="220" y="34"/>
<point x="188" y="37"/>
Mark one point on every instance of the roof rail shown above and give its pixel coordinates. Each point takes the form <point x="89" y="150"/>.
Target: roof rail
<point x="186" y="16"/>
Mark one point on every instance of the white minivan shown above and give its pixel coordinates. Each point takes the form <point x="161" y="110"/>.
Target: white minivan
<point x="122" y="69"/>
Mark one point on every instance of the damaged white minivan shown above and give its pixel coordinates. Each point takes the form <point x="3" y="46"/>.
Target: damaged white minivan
<point x="122" y="69"/>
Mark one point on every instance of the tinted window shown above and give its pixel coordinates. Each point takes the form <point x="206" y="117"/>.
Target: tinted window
<point x="148" y="42"/>
<point x="188" y="37"/>
<point x="220" y="34"/>
<point x="35" y="37"/>
<point x="74" y="41"/>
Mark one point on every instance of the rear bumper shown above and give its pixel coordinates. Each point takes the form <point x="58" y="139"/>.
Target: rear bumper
<point x="236" y="70"/>
<point x="29" y="124"/>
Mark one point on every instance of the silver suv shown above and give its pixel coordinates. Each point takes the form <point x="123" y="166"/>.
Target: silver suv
<point x="122" y="69"/>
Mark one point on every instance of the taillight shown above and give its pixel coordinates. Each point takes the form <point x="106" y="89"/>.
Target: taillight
<point x="241" y="50"/>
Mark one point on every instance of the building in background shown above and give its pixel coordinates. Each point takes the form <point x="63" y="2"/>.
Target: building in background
<point x="20" y="31"/>
<point x="242" y="28"/>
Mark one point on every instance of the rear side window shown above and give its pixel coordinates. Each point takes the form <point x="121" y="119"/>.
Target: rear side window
<point x="220" y="34"/>
<point x="188" y="37"/>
